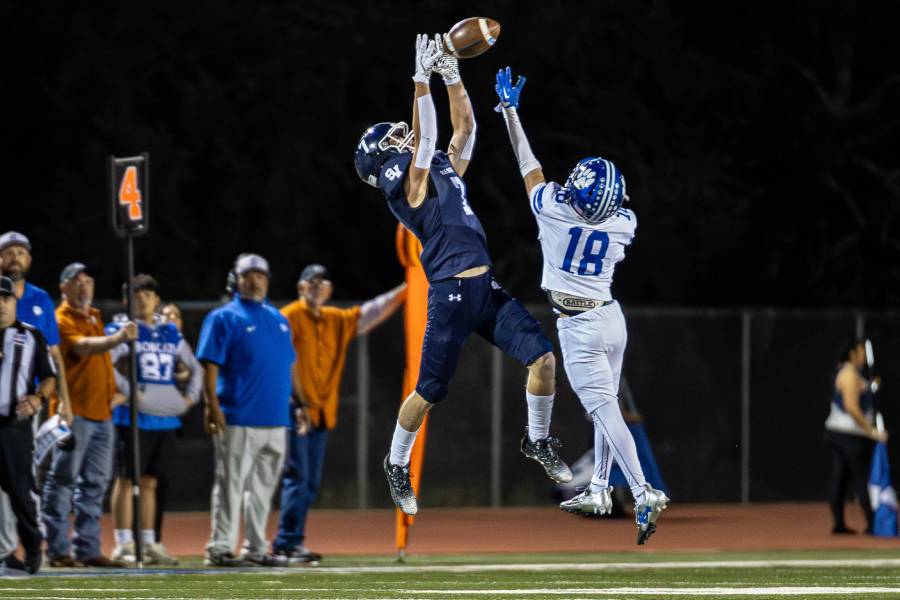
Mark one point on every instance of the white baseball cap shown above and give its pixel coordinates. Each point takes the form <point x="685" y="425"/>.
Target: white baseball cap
<point x="251" y="262"/>
<point x="14" y="238"/>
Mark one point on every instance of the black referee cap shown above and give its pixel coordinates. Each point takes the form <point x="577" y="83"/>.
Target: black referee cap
<point x="6" y="287"/>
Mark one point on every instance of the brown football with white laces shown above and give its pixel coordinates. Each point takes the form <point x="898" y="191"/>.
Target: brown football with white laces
<point x="471" y="37"/>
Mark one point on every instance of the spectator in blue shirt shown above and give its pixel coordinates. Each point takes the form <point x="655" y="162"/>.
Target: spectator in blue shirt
<point x="159" y="350"/>
<point x="33" y="307"/>
<point x="246" y="349"/>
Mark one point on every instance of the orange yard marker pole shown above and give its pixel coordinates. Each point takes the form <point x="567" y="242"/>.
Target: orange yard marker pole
<point x="415" y="311"/>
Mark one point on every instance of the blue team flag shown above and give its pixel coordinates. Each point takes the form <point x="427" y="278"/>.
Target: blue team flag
<point x="882" y="494"/>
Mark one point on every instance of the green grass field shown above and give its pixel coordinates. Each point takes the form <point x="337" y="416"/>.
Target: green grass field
<point x="844" y="574"/>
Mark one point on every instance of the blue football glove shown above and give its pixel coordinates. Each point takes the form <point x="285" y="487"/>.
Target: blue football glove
<point x="506" y="91"/>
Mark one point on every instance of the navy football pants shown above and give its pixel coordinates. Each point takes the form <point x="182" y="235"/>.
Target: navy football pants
<point x="459" y="307"/>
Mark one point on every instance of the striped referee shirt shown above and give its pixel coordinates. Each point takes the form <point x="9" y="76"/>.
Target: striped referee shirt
<point x="24" y="356"/>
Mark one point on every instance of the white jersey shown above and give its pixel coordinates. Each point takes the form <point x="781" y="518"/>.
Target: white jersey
<point x="579" y="258"/>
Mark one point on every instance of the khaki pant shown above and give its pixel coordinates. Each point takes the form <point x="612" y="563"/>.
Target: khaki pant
<point x="248" y="466"/>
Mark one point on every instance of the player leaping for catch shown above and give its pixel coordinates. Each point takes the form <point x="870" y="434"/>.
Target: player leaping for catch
<point x="583" y="230"/>
<point x="425" y="191"/>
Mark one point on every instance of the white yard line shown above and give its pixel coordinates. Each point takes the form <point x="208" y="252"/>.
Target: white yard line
<point x="616" y="566"/>
<point x="692" y="591"/>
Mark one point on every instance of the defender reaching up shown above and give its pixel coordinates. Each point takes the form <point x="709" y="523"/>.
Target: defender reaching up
<point x="583" y="232"/>
<point x="425" y="191"/>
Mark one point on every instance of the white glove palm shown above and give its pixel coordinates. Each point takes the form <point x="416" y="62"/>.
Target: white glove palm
<point x="446" y="65"/>
<point x="427" y="53"/>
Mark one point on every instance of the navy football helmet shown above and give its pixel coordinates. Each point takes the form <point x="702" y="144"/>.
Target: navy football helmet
<point x="377" y="144"/>
<point x="595" y="189"/>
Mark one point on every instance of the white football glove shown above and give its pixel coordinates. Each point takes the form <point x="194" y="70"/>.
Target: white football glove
<point x="427" y="54"/>
<point x="446" y="65"/>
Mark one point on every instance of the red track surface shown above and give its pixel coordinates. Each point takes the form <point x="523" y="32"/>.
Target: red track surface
<point x="694" y="527"/>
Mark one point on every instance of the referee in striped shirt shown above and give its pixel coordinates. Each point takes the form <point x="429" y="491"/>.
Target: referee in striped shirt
<point x="24" y="357"/>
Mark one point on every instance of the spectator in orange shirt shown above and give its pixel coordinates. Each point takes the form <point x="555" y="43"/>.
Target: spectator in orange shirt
<point x="321" y="335"/>
<point x="92" y="394"/>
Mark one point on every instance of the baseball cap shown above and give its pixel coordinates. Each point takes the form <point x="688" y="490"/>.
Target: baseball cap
<point x="251" y="262"/>
<point x="312" y="271"/>
<point x="6" y="287"/>
<point x="14" y="238"/>
<point x="71" y="271"/>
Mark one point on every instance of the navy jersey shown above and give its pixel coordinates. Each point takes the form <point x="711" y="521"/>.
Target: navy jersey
<point x="451" y="235"/>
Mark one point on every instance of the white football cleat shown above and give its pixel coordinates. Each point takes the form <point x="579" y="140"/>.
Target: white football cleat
<point x="589" y="504"/>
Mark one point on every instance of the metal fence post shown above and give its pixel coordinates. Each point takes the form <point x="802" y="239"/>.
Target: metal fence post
<point x="362" y="422"/>
<point x="496" y="419"/>
<point x="745" y="407"/>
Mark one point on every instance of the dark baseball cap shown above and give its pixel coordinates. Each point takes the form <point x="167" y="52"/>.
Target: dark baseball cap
<point x="313" y="271"/>
<point x="71" y="271"/>
<point x="6" y="287"/>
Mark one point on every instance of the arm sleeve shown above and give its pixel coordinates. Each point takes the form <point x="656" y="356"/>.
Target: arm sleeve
<point x="213" y="344"/>
<point x="427" y="141"/>
<point x="186" y="355"/>
<point x="521" y="147"/>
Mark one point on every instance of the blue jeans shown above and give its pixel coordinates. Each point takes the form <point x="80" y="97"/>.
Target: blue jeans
<point x="83" y="472"/>
<point x="300" y="484"/>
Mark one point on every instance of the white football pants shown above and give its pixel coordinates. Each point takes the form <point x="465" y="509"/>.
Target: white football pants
<point x="593" y="346"/>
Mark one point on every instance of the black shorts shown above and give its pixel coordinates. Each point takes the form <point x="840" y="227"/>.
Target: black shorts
<point x="459" y="307"/>
<point x="157" y="452"/>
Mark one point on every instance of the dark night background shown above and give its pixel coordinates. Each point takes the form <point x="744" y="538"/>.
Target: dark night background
<point x="760" y="140"/>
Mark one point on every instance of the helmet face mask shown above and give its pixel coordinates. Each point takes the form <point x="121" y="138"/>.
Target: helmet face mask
<point x="595" y="189"/>
<point x="377" y="144"/>
<point x="399" y="137"/>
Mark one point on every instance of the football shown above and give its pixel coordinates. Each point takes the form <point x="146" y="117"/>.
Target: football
<point x="471" y="37"/>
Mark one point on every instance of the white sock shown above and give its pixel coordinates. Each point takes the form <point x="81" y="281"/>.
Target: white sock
<point x="608" y="418"/>
<point x="148" y="536"/>
<point x="123" y="536"/>
<point x="539" y="409"/>
<point x="602" y="462"/>
<point x="401" y="445"/>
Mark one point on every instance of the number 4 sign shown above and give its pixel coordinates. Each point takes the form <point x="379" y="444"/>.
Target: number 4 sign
<point x="129" y="188"/>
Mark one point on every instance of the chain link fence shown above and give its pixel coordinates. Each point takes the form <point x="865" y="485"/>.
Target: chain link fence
<point x="733" y="402"/>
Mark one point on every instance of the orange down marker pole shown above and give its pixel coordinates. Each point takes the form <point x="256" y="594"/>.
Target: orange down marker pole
<point x="415" y="313"/>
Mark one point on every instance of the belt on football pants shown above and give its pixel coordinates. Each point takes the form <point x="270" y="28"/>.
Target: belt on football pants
<point x="570" y="305"/>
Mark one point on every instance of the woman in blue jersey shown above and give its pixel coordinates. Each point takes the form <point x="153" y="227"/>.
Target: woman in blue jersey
<point x="850" y="435"/>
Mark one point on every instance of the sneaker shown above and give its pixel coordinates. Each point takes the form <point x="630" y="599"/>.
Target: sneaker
<point x="544" y="452"/>
<point x="156" y="554"/>
<point x="65" y="562"/>
<point x="12" y="562"/>
<point x="264" y="559"/>
<point x="401" y="490"/>
<point x="646" y="513"/>
<point x="125" y="553"/>
<point x="299" y="555"/>
<point x="224" y="559"/>
<point x="32" y="562"/>
<point x="589" y="504"/>
<point x="102" y="562"/>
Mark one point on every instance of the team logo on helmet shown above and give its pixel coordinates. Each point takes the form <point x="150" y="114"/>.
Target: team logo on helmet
<point x="595" y="189"/>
